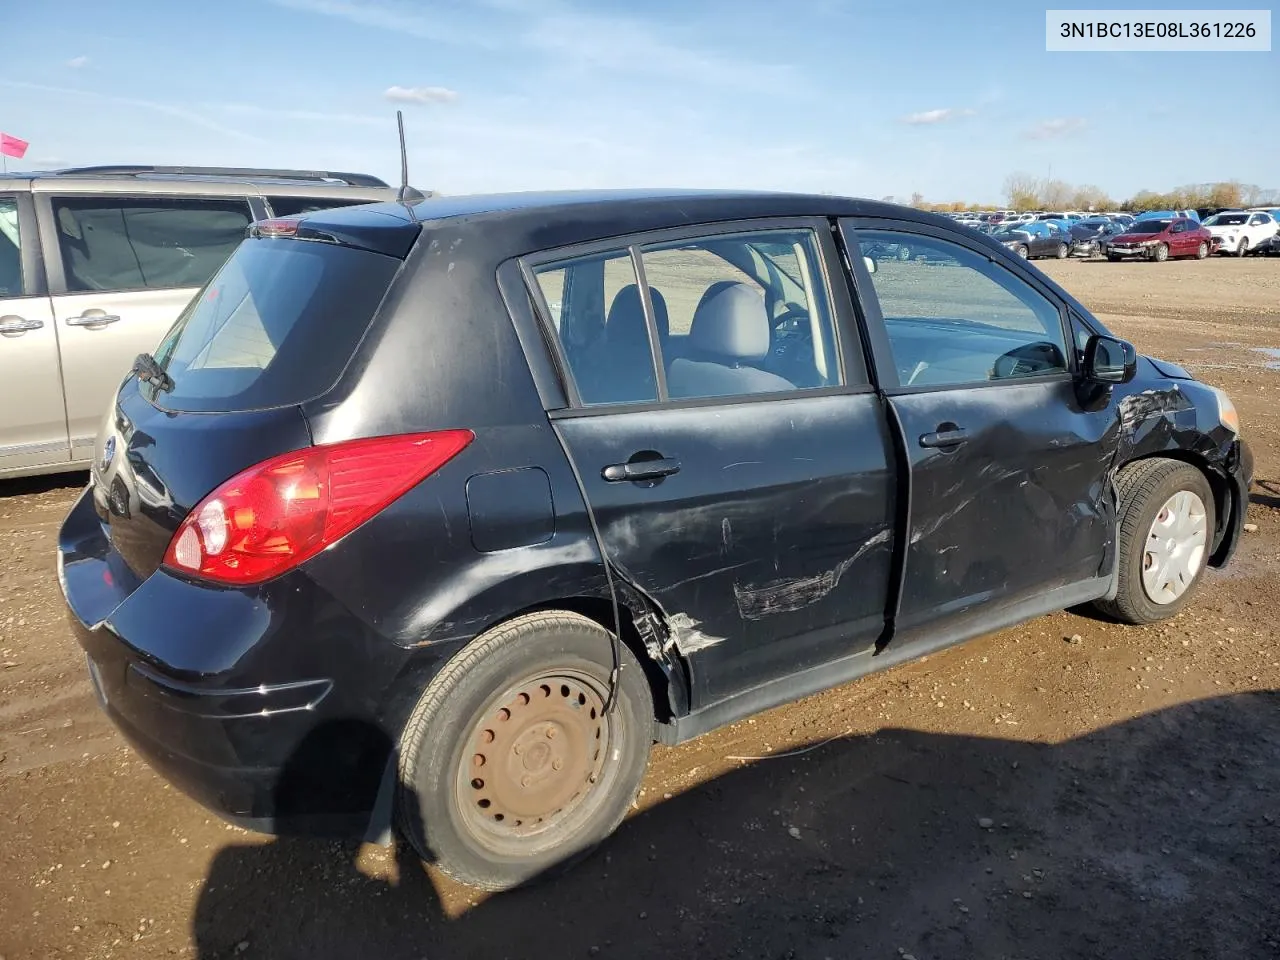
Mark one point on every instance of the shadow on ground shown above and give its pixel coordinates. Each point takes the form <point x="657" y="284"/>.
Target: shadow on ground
<point x="1159" y="837"/>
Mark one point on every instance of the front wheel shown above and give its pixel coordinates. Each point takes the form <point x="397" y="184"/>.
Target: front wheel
<point x="1243" y="248"/>
<point x="904" y="253"/>
<point x="1202" y="251"/>
<point x="1166" y="532"/>
<point x="1062" y="251"/>
<point x="1161" y="253"/>
<point x="1022" y="251"/>
<point x="510" y="765"/>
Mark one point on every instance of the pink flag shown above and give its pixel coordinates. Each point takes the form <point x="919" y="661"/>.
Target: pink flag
<point x="12" y="146"/>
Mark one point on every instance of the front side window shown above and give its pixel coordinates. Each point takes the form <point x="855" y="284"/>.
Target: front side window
<point x="10" y="249"/>
<point x="956" y="318"/>
<point x="122" y="243"/>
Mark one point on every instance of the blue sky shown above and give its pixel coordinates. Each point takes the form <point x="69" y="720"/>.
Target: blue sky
<point x="870" y="99"/>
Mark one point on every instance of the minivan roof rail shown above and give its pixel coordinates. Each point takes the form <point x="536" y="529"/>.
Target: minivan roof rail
<point x="351" y="179"/>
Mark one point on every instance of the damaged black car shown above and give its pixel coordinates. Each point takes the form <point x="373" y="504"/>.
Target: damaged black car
<point x="438" y="515"/>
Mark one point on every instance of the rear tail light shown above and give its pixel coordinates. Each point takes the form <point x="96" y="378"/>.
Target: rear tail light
<point x="273" y="516"/>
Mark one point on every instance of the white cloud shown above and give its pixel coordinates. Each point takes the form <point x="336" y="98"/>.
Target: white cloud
<point x="399" y="94"/>
<point x="75" y="63"/>
<point x="1059" y="127"/>
<point x="940" y="115"/>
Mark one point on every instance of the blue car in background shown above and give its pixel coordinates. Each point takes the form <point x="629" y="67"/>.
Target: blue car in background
<point x="1169" y="215"/>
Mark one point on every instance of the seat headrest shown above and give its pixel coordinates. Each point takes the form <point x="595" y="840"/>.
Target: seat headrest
<point x="731" y="323"/>
<point x="625" y="323"/>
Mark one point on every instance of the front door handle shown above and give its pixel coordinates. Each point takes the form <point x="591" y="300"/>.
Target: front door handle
<point x="641" y="470"/>
<point x="93" y="318"/>
<point x="12" y="326"/>
<point x="945" y="438"/>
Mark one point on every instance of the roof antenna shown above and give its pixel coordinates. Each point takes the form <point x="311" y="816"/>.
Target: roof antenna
<point x="407" y="195"/>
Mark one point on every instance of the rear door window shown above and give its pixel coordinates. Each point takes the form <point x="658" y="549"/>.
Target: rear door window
<point x="10" y="249"/>
<point x="122" y="243"/>
<point x="275" y="326"/>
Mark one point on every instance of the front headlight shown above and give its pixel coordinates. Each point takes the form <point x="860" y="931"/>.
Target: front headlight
<point x="1227" y="415"/>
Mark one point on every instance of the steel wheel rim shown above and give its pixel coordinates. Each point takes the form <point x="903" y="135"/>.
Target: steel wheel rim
<point x="533" y="767"/>
<point x="1202" y="251"/>
<point x="1173" y="552"/>
<point x="1023" y="252"/>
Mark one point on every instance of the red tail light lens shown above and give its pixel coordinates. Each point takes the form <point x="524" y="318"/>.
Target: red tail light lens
<point x="273" y="516"/>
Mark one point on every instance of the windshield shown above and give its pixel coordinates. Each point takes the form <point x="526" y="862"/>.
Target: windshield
<point x="274" y="327"/>
<point x="1227" y="220"/>
<point x="1150" y="226"/>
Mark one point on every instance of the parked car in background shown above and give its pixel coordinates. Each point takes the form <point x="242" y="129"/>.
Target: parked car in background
<point x="1124" y="219"/>
<point x="1052" y="215"/>
<point x="1169" y="215"/>
<point x="458" y="557"/>
<point x="1159" y="240"/>
<point x="1035" y="239"/>
<point x="96" y="264"/>
<point x="1089" y="236"/>
<point x="1242" y="231"/>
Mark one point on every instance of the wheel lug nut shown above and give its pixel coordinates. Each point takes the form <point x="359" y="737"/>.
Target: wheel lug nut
<point x="557" y="764"/>
<point x="517" y="749"/>
<point x="525" y="781"/>
<point x="551" y="733"/>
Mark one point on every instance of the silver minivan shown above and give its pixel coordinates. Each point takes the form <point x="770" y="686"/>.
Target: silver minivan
<point x="96" y="263"/>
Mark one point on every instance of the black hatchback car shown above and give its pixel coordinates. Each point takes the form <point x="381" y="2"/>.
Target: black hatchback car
<point x="448" y="511"/>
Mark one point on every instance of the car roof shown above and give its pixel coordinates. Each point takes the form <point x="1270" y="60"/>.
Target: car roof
<point x="520" y="223"/>
<point x="142" y="180"/>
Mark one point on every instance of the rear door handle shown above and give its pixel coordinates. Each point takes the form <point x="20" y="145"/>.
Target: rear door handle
<point x="93" y="318"/>
<point x="641" y="470"/>
<point x="12" y="326"/>
<point x="945" y="438"/>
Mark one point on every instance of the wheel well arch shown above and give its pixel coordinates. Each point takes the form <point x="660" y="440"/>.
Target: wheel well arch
<point x="1224" y="505"/>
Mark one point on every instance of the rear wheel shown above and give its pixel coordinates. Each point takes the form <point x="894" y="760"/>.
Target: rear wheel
<point x="510" y="765"/>
<point x="1202" y="251"/>
<point x="1243" y="248"/>
<point x="1161" y="253"/>
<point x="1022" y="251"/>
<point x="1166" y="532"/>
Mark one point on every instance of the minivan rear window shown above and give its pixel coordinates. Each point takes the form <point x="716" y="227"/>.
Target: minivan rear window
<point x="274" y="327"/>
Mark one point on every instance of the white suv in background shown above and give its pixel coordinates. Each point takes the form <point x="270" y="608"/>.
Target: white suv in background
<point x="96" y="263"/>
<point x="1242" y="230"/>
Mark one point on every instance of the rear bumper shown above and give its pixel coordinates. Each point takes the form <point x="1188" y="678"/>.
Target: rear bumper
<point x="233" y="695"/>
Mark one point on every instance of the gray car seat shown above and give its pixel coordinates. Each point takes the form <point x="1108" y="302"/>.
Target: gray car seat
<point x="730" y="332"/>
<point x="619" y="369"/>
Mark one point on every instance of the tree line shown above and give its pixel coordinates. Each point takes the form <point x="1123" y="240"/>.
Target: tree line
<point x="1023" y="192"/>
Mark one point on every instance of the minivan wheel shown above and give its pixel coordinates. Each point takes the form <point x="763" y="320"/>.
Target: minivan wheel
<point x="1166" y="532"/>
<point x="1161" y="253"/>
<point x="510" y="766"/>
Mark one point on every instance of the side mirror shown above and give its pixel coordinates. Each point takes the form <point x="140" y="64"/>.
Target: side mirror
<point x="871" y="264"/>
<point x="1109" y="360"/>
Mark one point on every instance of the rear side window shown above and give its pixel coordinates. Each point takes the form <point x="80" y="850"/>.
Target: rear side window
<point x="10" y="249"/>
<point x="275" y="326"/>
<point x="114" y="243"/>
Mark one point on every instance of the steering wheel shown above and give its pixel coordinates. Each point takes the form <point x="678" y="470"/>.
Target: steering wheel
<point x="1028" y="359"/>
<point x="795" y="350"/>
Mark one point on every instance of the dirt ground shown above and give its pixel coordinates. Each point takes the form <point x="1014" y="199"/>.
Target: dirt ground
<point x="1066" y="789"/>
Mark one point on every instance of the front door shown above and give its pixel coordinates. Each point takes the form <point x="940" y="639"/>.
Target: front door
<point x="33" y="423"/>
<point x="744" y="480"/>
<point x="1010" y="505"/>
<point x="121" y="270"/>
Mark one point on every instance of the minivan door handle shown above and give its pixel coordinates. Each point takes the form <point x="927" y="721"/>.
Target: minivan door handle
<point x="945" y="438"/>
<point x="641" y="470"/>
<point x="16" y="326"/>
<point x="92" y="318"/>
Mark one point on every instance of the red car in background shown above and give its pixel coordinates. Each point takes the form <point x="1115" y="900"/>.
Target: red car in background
<point x="1161" y="239"/>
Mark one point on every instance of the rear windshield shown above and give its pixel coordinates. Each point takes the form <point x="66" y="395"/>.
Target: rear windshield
<point x="274" y="327"/>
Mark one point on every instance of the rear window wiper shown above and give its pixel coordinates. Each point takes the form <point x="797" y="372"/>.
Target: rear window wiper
<point x="148" y="370"/>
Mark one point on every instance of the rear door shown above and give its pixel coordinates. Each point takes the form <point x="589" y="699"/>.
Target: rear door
<point x="121" y="269"/>
<point x="736" y="459"/>
<point x="1009" y="493"/>
<point x="33" y="423"/>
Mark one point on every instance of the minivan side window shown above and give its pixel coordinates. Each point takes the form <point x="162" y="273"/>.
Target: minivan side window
<point x="124" y="243"/>
<point x="10" y="249"/>
<point x="954" y="317"/>
<point x="742" y="314"/>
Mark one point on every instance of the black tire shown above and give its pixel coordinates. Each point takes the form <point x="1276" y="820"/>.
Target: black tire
<point x="1243" y="248"/>
<point x="1062" y="251"/>
<point x="458" y="830"/>
<point x="1114" y="258"/>
<point x="1143" y="488"/>
<point x="1023" y="251"/>
<point x="1161" y="253"/>
<point x="1202" y="251"/>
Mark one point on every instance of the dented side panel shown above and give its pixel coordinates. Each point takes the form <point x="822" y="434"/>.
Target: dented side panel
<point x="1022" y="507"/>
<point x="770" y="550"/>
